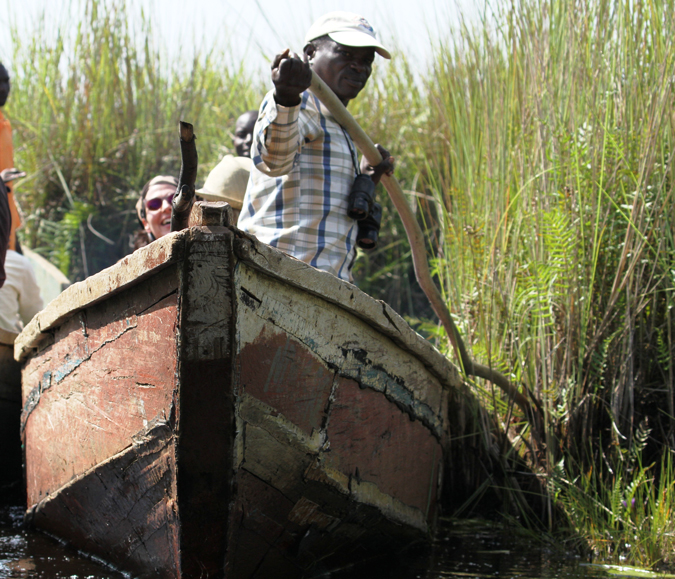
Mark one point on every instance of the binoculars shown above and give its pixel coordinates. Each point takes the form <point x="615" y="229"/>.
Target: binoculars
<point x="365" y="210"/>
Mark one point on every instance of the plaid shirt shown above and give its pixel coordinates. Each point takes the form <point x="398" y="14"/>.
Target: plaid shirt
<point x="303" y="170"/>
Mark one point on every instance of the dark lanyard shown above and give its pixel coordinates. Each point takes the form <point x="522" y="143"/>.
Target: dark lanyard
<point x="355" y="159"/>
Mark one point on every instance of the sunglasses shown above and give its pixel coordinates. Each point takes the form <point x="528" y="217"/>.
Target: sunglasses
<point x="156" y="202"/>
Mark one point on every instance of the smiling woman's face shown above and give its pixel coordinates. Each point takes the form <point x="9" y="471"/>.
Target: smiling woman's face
<point x="158" y="221"/>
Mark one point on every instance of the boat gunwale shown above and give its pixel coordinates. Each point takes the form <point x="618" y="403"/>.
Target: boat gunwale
<point x="170" y="249"/>
<point x="109" y="281"/>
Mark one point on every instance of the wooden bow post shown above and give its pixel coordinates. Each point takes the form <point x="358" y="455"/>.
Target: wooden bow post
<point x="184" y="199"/>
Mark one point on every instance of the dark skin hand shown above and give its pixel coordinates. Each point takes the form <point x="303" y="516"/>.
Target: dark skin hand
<point x="386" y="167"/>
<point x="291" y="77"/>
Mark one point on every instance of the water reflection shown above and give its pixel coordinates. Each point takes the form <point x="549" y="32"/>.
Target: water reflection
<point x="462" y="550"/>
<point x="482" y="549"/>
<point x="30" y="555"/>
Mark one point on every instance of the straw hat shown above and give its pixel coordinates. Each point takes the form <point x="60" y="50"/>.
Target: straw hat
<point x="227" y="181"/>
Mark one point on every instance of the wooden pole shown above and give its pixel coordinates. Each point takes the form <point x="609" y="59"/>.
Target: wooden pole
<point x="420" y="263"/>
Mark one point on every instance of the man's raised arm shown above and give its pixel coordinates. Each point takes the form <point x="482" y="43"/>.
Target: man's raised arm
<point x="276" y="137"/>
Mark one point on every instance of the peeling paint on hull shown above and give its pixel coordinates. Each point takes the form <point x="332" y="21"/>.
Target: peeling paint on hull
<point x="229" y="411"/>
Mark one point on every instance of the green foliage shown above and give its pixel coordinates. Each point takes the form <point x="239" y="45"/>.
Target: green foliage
<point x="623" y="515"/>
<point x="95" y="115"/>
<point x="548" y="154"/>
<point x="537" y="153"/>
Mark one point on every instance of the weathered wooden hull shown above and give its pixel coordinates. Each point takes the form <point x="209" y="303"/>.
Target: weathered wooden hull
<point x="190" y="412"/>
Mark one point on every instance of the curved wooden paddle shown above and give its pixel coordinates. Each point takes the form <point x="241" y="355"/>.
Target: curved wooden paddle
<point x="420" y="263"/>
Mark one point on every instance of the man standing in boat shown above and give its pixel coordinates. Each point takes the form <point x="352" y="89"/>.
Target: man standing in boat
<point x="304" y="163"/>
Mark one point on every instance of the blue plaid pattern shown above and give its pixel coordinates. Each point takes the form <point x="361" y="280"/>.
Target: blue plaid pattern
<point x="297" y="194"/>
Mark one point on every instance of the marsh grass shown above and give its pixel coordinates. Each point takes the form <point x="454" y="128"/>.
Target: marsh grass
<point x="623" y="511"/>
<point x="552" y="173"/>
<point x="536" y="151"/>
<point x="95" y="114"/>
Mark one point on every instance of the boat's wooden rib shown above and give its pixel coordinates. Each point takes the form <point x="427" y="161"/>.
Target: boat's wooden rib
<point x="211" y="407"/>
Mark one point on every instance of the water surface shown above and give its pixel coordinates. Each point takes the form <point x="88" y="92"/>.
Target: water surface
<point x="470" y="549"/>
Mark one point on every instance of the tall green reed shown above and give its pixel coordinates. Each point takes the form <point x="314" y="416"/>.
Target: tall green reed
<point x="95" y="107"/>
<point x="550" y="160"/>
<point x="622" y="512"/>
<point x="537" y="153"/>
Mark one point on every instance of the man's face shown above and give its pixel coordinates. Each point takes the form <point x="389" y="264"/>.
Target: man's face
<point x="243" y="133"/>
<point x="345" y="69"/>
<point x="4" y="85"/>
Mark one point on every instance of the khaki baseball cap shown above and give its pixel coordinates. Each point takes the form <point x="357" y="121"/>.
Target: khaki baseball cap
<point x="227" y="181"/>
<point x="348" y="29"/>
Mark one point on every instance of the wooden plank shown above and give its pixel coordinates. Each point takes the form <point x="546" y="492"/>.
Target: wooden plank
<point x="278" y="370"/>
<point x="378" y="314"/>
<point x="341" y="340"/>
<point x="297" y="355"/>
<point x="378" y="443"/>
<point x="294" y="520"/>
<point x="123" y="510"/>
<point x="275" y="455"/>
<point x="260" y="525"/>
<point x="128" y="272"/>
<point x="109" y="375"/>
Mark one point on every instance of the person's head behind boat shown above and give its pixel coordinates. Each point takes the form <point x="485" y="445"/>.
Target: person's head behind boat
<point x="153" y="208"/>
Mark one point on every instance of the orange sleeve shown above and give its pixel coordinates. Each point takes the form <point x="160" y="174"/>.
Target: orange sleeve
<point x="6" y="147"/>
<point x="7" y="162"/>
<point x="4" y="230"/>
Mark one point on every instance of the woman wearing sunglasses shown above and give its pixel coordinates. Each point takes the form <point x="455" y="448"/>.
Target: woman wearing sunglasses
<point x="154" y="209"/>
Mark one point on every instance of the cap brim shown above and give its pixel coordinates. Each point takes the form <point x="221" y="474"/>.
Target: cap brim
<point x="356" y="38"/>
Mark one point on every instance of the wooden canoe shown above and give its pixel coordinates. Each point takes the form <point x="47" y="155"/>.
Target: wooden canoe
<point x="210" y="407"/>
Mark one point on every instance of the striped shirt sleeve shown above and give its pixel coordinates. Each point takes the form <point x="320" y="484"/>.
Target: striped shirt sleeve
<point x="276" y="140"/>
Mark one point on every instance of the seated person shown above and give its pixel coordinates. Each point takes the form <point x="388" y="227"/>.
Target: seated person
<point x="153" y="209"/>
<point x="228" y="180"/>
<point x="243" y="133"/>
<point x="304" y="162"/>
<point x="20" y="295"/>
